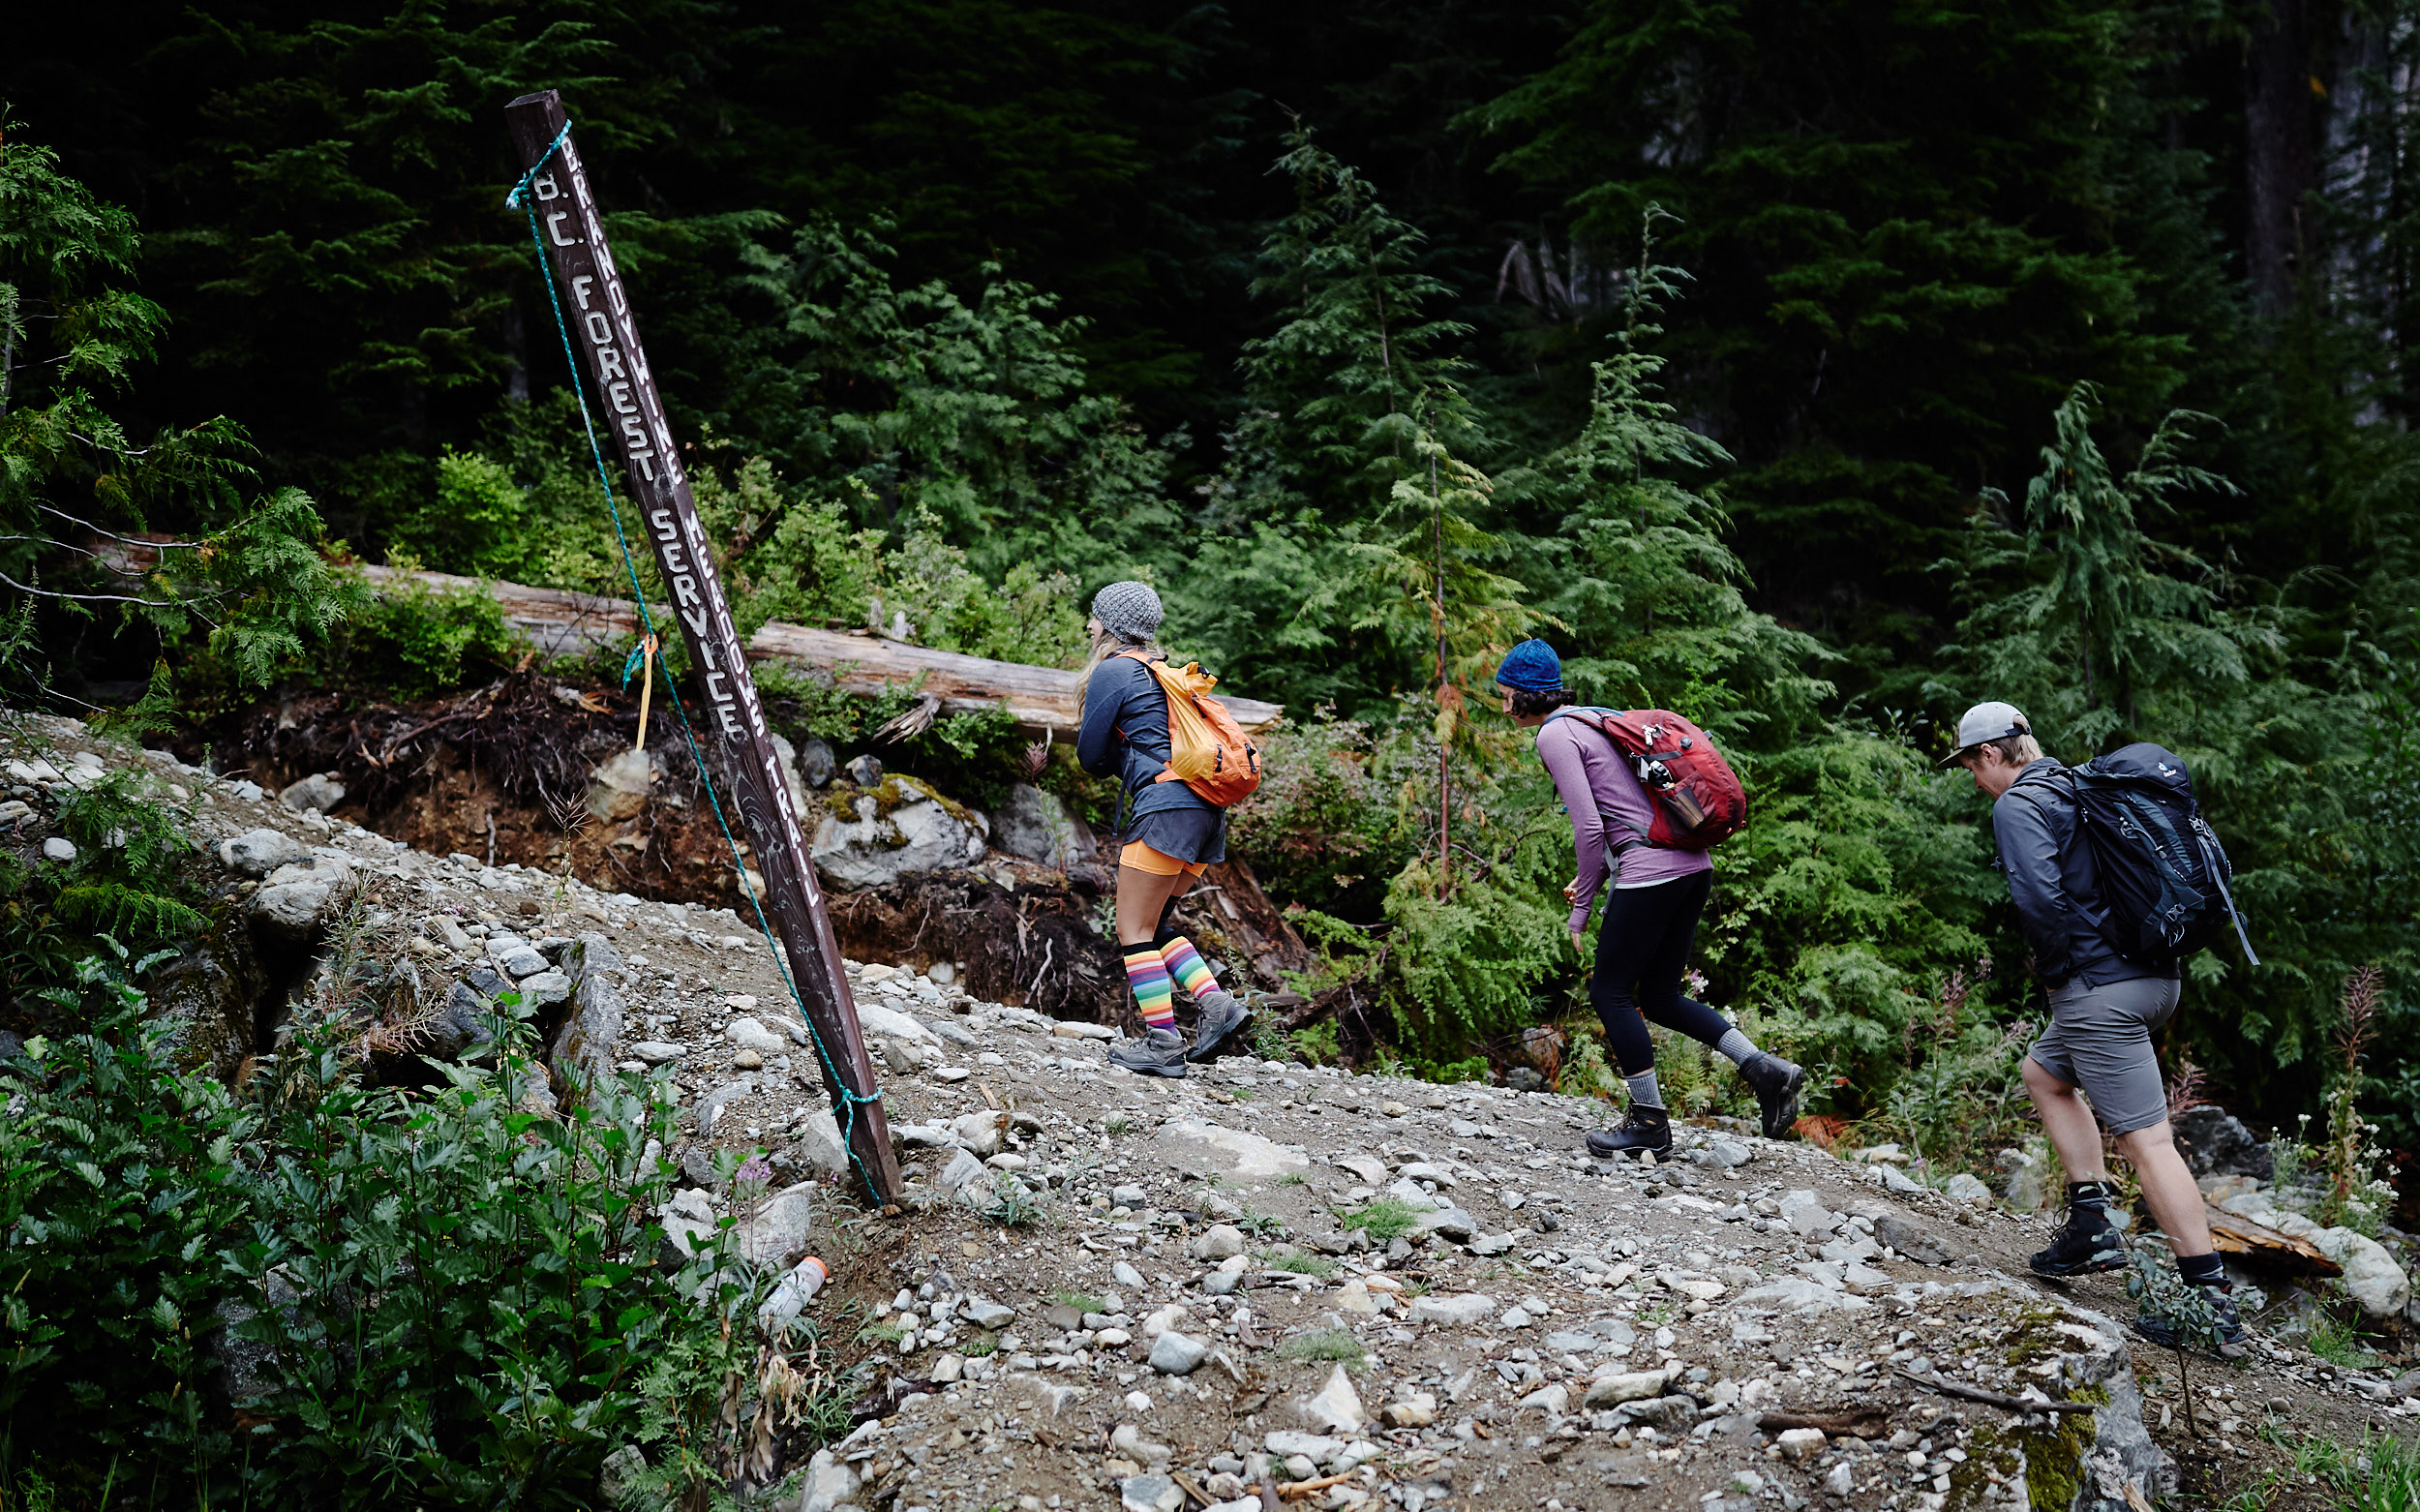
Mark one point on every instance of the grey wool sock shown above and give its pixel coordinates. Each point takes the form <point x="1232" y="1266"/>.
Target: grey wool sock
<point x="1739" y="1047"/>
<point x="1644" y="1093"/>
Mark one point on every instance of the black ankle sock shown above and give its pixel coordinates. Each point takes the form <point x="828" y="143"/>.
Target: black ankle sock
<point x="2093" y="1193"/>
<point x="2202" y="1270"/>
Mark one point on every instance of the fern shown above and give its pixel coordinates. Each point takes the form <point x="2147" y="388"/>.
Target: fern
<point x="111" y="907"/>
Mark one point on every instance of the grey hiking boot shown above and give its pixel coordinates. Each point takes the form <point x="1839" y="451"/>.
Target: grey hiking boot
<point x="1777" y="1083"/>
<point x="1158" y="1053"/>
<point x="1224" y="1017"/>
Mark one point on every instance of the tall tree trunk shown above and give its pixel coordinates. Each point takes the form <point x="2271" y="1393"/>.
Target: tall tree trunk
<point x="2281" y="158"/>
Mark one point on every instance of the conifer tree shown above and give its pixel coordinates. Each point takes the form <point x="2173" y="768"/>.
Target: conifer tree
<point x="2113" y="615"/>
<point x="77" y="491"/>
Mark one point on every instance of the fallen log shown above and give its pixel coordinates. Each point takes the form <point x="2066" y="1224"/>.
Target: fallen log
<point x="1043" y="700"/>
<point x="557" y="622"/>
<point x="2257" y="1244"/>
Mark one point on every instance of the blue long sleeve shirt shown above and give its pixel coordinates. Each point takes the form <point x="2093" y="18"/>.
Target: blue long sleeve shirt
<point x="1125" y="734"/>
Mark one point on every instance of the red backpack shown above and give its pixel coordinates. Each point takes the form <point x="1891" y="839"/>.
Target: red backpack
<point x="1698" y="801"/>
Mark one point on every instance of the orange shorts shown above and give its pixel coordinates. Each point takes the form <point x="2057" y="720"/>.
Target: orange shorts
<point x="1142" y="858"/>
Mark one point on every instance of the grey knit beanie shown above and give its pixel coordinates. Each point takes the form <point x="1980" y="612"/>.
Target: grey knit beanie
<point x="1128" y="610"/>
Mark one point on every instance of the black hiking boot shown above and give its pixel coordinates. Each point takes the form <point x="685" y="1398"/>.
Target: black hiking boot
<point x="1648" y="1129"/>
<point x="1158" y="1053"/>
<point x="2234" y="1339"/>
<point x="2085" y="1240"/>
<point x="1224" y="1017"/>
<point x="1777" y="1083"/>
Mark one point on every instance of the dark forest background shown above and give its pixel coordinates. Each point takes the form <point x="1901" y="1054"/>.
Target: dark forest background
<point x="1866" y="432"/>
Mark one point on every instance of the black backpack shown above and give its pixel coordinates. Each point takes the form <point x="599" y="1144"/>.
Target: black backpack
<point x="2164" y="875"/>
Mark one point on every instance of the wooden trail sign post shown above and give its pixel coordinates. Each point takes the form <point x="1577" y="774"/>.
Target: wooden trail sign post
<point x="596" y="311"/>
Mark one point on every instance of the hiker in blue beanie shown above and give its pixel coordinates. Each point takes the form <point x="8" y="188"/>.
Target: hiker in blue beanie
<point x="1650" y="912"/>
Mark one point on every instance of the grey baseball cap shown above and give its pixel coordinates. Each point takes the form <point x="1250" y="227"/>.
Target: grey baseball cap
<point x="1987" y="722"/>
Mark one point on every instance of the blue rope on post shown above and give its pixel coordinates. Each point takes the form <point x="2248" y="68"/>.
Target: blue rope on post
<point x="519" y="199"/>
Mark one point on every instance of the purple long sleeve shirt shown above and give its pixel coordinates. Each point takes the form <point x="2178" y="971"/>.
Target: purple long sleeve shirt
<point x="1601" y="791"/>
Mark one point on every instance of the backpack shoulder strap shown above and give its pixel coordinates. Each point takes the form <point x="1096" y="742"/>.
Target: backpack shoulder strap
<point x="1594" y="720"/>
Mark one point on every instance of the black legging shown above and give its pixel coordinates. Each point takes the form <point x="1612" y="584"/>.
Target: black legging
<point x="1645" y="940"/>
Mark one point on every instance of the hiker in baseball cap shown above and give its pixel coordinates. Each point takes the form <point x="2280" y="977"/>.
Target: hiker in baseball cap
<point x="1988" y="722"/>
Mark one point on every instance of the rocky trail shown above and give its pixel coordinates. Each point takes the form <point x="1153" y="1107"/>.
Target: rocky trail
<point x="1105" y="1291"/>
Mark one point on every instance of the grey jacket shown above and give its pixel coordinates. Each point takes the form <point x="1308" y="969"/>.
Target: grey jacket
<point x="2053" y="881"/>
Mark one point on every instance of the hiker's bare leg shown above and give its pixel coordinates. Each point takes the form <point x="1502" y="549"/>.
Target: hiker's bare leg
<point x="2069" y="1123"/>
<point x="1142" y="896"/>
<point x="2167" y="1187"/>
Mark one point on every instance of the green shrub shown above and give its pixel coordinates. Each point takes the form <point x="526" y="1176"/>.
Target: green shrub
<point x="445" y="1298"/>
<point x="415" y="641"/>
<point x="1327" y="1343"/>
<point x="135" y="887"/>
<point x="1383" y="1220"/>
<point x="119" y="1178"/>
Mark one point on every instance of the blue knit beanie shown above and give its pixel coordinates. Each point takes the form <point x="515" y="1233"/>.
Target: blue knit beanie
<point x="1531" y="667"/>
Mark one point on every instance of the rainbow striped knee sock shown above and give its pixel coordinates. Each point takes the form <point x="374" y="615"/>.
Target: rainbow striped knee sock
<point x="1154" y="996"/>
<point x="1186" y="965"/>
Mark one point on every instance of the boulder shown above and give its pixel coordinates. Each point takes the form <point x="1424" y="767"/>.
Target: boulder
<point x="620" y="1481"/>
<point x="1607" y="1391"/>
<point x="1218" y="1242"/>
<point x="900" y="828"/>
<point x="315" y="794"/>
<point x="773" y="1235"/>
<point x="582" y="1050"/>
<point x="829" y="1483"/>
<point x="2216" y="1143"/>
<point x="543" y="990"/>
<point x="462" y="1029"/>
<point x="1149" y="1493"/>
<point x="207" y="998"/>
<point x="1177" y="1354"/>
<point x="1801" y="1295"/>
<point x="618" y="786"/>
<point x="1337" y="1409"/>
<point x="816" y="762"/>
<point x="1963" y="1187"/>
<point x="1035" y="825"/>
<point x="296" y="899"/>
<point x="1450" y="1222"/>
<point x="979" y="1132"/>
<point x="963" y="1170"/>
<point x="255" y="852"/>
<point x="1206" y="1149"/>
<point x="1470" y="1306"/>
<point x="820" y="1146"/>
<point x="1799" y="1444"/>
<point x="2032" y="1180"/>
<point x="1912" y="1241"/>
<point x="2370" y="1278"/>
<point x="1806" y="1215"/>
<point x="747" y="1034"/>
<point x="802" y="803"/>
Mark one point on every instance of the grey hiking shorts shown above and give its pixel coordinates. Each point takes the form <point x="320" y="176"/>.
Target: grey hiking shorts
<point x="2100" y="1039"/>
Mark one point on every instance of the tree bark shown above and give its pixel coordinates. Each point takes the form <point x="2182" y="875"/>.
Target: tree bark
<point x="2281" y="152"/>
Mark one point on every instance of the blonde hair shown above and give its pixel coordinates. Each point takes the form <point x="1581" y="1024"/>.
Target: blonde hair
<point x="2017" y="751"/>
<point x="1105" y="645"/>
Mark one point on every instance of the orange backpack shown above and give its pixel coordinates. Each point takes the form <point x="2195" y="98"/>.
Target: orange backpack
<point x="1208" y="751"/>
